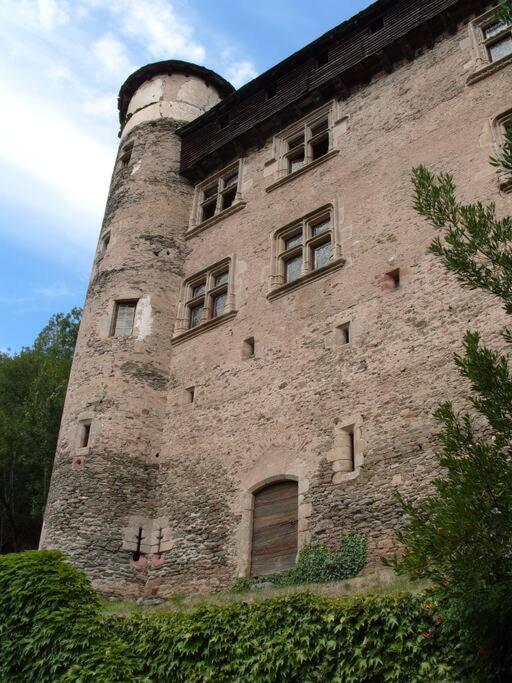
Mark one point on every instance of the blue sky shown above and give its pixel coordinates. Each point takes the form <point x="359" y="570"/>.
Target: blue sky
<point x="62" y="64"/>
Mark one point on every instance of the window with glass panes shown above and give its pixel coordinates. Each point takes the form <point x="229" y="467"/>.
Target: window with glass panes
<point x="308" y="144"/>
<point x="207" y="296"/>
<point x="218" y="194"/>
<point x="497" y="37"/>
<point x="124" y="316"/>
<point x="305" y="247"/>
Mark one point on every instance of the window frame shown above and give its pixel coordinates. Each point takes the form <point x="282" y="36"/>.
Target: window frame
<point x="484" y="64"/>
<point x="115" y="313"/>
<point x="206" y="298"/>
<point x="304" y="129"/>
<point x="201" y="200"/>
<point x="499" y="126"/>
<point x="282" y="254"/>
<point x="491" y="41"/>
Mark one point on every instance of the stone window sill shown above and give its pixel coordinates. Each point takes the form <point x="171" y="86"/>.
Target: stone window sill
<point x="204" y="327"/>
<point x="281" y="290"/>
<point x="313" y="164"/>
<point x="489" y="69"/>
<point x="191" y="232"/>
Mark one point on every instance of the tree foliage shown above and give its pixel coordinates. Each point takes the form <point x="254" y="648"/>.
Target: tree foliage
<point x="32" y="390"/>
<point x="460" y="537"/>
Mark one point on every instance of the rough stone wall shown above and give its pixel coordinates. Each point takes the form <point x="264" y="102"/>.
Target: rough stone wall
<point x="121" y="383"/>
<point x="279" y="414"/>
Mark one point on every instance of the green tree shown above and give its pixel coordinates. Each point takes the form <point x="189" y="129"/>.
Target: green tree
<point x="460" y="537"/>
<point x="32" y="390"/>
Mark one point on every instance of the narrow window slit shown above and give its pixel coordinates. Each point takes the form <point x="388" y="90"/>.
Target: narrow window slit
<point x="85" y="434"/>
<point x="248" y="348"/>
<point x="190" y="394"/>
<point x="137" y="553"/>
<point x="343" y="334"/>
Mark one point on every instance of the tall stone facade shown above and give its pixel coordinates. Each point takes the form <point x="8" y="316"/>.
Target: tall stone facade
<point x="238" y="370"/>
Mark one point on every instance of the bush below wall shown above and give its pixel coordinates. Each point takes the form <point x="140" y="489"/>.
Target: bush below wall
<point x="52" y="629"/>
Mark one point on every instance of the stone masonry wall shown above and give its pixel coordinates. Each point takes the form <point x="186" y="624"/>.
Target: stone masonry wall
<point x="278" y="414"/>
<point x="185" y="472"/>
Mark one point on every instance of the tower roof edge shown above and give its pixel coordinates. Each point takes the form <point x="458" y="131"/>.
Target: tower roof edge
<point x="168" y="66"/>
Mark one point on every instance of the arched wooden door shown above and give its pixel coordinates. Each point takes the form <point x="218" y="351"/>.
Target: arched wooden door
<point x="275" y="526"/>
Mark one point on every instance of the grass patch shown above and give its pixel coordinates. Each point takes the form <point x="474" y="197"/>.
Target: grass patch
<point x="380" y="583"/>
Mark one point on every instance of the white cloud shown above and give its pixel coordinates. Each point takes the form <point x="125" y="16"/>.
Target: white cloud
<point x="155" y="25"/>
<point x="240" y="73"/>
<point x="52" y="13"/>
<point x="45" y="146"/>
<point x="102" y="107"/>
<point x="112" y="56"/>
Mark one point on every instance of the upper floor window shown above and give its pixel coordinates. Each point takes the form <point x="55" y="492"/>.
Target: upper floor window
<point x="497" y="37"/>
<point x="502" y="130"/>
<point x="123" y="319"/>
<point x="217" y="194"/>
<point x="491" y="41"/>
<point x="206" y="297"/>
<point x="306" y="143"/>
<point x="304" y="248"/>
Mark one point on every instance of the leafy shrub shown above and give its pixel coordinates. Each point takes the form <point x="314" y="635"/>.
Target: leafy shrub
<point x="317" y="564"/>
<point x="52" y="630"/>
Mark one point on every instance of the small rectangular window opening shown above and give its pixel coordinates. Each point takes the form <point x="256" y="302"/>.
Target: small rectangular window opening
<point x="343" y="334"/>
<point x="248" y="348"/>
<point x="85" y="434"/>
<point x="127" y="154"/>
<point x="393" y="279"/>
<point x="124" y="316"/>
<point x="105" y="241"/>
<point x="190" y="394"/>
<point x="350" y="446"/>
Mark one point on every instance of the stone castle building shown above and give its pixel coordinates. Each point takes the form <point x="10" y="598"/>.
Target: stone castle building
<point x="265" y="335"/>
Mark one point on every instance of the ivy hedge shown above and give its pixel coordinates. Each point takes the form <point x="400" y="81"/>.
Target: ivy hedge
<point x="52" y="629"/>
<point x="317" y="564"/>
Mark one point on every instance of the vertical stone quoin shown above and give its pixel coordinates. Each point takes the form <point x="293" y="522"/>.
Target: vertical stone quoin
<point x="102" y="501"/>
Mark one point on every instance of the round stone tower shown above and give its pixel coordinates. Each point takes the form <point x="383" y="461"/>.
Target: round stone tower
<point x="103" y="494"/>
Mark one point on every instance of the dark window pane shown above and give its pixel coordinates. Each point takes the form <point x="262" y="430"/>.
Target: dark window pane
<point x="228" y="198"/>
<point x="501" y="49"/>
<point x="208" y="210"/>
<point x="296" y="162"/>
<point x="319" y="127"/>
<point x="197" y="290"/>
<point x="221" y="279"/>
<point x="321" y="227"/>
<point x="320" y="147"/>
<point x="296" y="142"/>
<point x="321" y="255"/>
<point x="211" y="190"/>
<point x="293" y="268"/>
<point x="231" y="180"/>
<point x="218" y="304"/>
<point x="196" y="315"/>
<point x="293" y="241"/>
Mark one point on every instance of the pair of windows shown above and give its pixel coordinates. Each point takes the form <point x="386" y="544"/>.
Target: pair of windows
<point x="305" y="247"/>
<point x="207" y="296"/>
<point x="309" y="144"/>
<point x="497" y="39"/>
<point x="303" y="143"/>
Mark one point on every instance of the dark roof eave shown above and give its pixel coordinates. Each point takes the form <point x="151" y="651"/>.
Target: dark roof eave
<point x="268" y="76"/>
